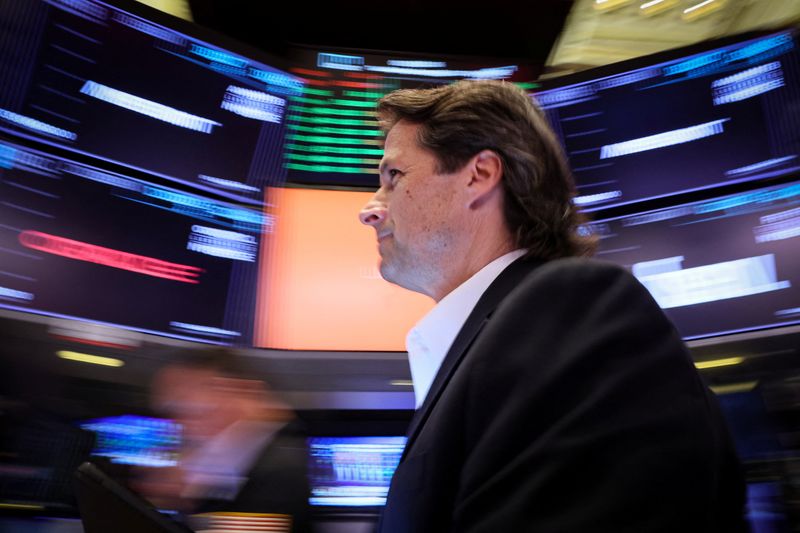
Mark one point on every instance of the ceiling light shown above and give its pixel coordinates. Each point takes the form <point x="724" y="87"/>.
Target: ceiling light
<point x="702" y="9"/>
<point x="654" y="7"/>
<point x="88" y="358"/>
<point x="608" y="5"/>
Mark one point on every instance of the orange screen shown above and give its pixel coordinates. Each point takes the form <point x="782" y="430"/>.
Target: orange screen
<point x="319" y="285"/>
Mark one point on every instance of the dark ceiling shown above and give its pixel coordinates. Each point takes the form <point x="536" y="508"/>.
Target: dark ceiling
<point x="487" y="28"/>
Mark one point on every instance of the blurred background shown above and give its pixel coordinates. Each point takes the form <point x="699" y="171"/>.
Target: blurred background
<point x="183" y="175"/>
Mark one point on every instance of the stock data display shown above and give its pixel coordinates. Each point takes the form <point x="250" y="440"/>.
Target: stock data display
<point x="136" y="440"/>
<point x="80" y="242"/>
<point x="726" y="115"/>
<point x="352" y="471"/>
<point x="724" y="265"/>
<point x="333" y="134"/>
<point x="87" y="76"/>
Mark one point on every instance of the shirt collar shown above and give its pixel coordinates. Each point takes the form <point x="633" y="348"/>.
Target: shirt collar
<point x="430" y="339"/>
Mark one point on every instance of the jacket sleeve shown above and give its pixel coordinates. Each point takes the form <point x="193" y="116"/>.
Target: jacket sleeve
<point x="586" y="414"/>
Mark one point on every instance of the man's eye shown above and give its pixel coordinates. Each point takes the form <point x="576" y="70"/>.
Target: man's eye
<point x="394" y="174"/>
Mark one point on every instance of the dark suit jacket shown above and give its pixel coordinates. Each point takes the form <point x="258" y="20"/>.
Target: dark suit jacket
<point x="277" y="482"/>
<point x="567" y="403"/>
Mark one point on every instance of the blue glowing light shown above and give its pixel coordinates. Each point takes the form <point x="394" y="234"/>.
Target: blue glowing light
<point x="749" y="198"/>
<point x="747" y="84"/>
<point x="36" y="125"/>
<point x="198" y="205"/>
<point x="254" y="104"/>
<point x="218" y="56"/>
<point x="149" y="108"/>
<point x="206" y="330"/>
<point x="136" y="440"/>
<point x="227" y="184"/>
<point x="339" y="61"/>
<point x="662" y="140"/>
<point x="276" y="79"/>
<point x="8" y="156"/>
<point x="13" y="294"/>
<point x="83" y="8"/>
<point x="149" y="29"/>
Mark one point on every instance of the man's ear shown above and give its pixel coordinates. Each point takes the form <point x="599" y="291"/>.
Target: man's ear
<point x="486" y="172"/>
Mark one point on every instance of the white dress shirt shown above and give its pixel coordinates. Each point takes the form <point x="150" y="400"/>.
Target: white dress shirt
<point x="430" y="339"/>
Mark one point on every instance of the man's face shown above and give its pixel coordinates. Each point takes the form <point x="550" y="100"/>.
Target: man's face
<point x="187" y="395"/>
<point x="415" y="214"/>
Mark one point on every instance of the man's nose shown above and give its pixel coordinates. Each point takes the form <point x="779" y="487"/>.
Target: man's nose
<point x="373" y="213"/>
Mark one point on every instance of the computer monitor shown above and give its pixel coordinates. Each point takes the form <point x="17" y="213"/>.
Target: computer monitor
<point x="685" y="120"/>
<point x="136" y="440"/>
<point x="352" y="471"/>
<point x="81" y="242"/>
<point x="333" y="133"/>
<point x="126" y="84"/>
<point x="724" y="265"/>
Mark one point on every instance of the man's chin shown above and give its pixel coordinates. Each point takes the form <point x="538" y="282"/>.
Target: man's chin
<point x="386" y="271"/>
<point x="390" y="273"/>
<point x="395" y="276"/>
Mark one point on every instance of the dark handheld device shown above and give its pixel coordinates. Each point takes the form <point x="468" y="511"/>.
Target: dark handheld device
<point x="105" y="505"/>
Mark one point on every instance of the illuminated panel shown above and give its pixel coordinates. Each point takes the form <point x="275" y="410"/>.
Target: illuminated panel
<point x="717" y="266"/>
<point x="80" y="242"/>
<point x="52" y="244"/>
<point x="662" y="140"/>
<point x="101" y="81"/>
<point x="136" y="440"/>
<point x="319" y="285"/>
<point x="352" y="471"/>
<point x="333" y="134"/>
<point x="648" y="129"/>
<point x="148" y="108"/>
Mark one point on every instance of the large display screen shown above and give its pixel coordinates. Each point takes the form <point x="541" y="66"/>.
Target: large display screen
<point x="319" y="284"/>
<point x="725" y="115"/>
<point x="333" y="134"/>
<point x="80" y="242"/>
<point x="724" y="265"/>
<point x="93" y="78"/>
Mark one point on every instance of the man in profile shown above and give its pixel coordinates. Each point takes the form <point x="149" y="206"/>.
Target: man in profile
<point x="553" y="395"/>
<point x="243" y="456"/>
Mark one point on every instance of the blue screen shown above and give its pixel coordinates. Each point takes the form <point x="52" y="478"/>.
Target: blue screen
<point x="89" y="77"/>
<point x="724" y="265"/>
<point x="82" y="242"/>
<point x="136" y="440"/>
<point x="352" y="471"/>
<point x="726" y="115"/>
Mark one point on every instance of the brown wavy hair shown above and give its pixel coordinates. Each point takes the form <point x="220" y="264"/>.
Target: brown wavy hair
<point x="458" y="121"/>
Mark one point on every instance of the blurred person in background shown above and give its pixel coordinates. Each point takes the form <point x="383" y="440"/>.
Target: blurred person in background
<point x="243" y="458"/>
<point x="553" y="394"/>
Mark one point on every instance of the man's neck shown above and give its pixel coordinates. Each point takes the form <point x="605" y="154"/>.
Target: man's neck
<point x="473" y="259"/>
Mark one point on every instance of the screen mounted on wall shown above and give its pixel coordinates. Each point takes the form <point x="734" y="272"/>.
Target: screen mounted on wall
<point x="94" y="78"/>
<point x="687" y="122"/>
<point x="333" y="133"/>
<point x="319" y="283"/>
<point x="718" y="266"/>
<point x="81" y="242"/>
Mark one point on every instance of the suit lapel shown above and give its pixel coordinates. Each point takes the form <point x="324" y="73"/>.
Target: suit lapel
<point x="491" y="298"/>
